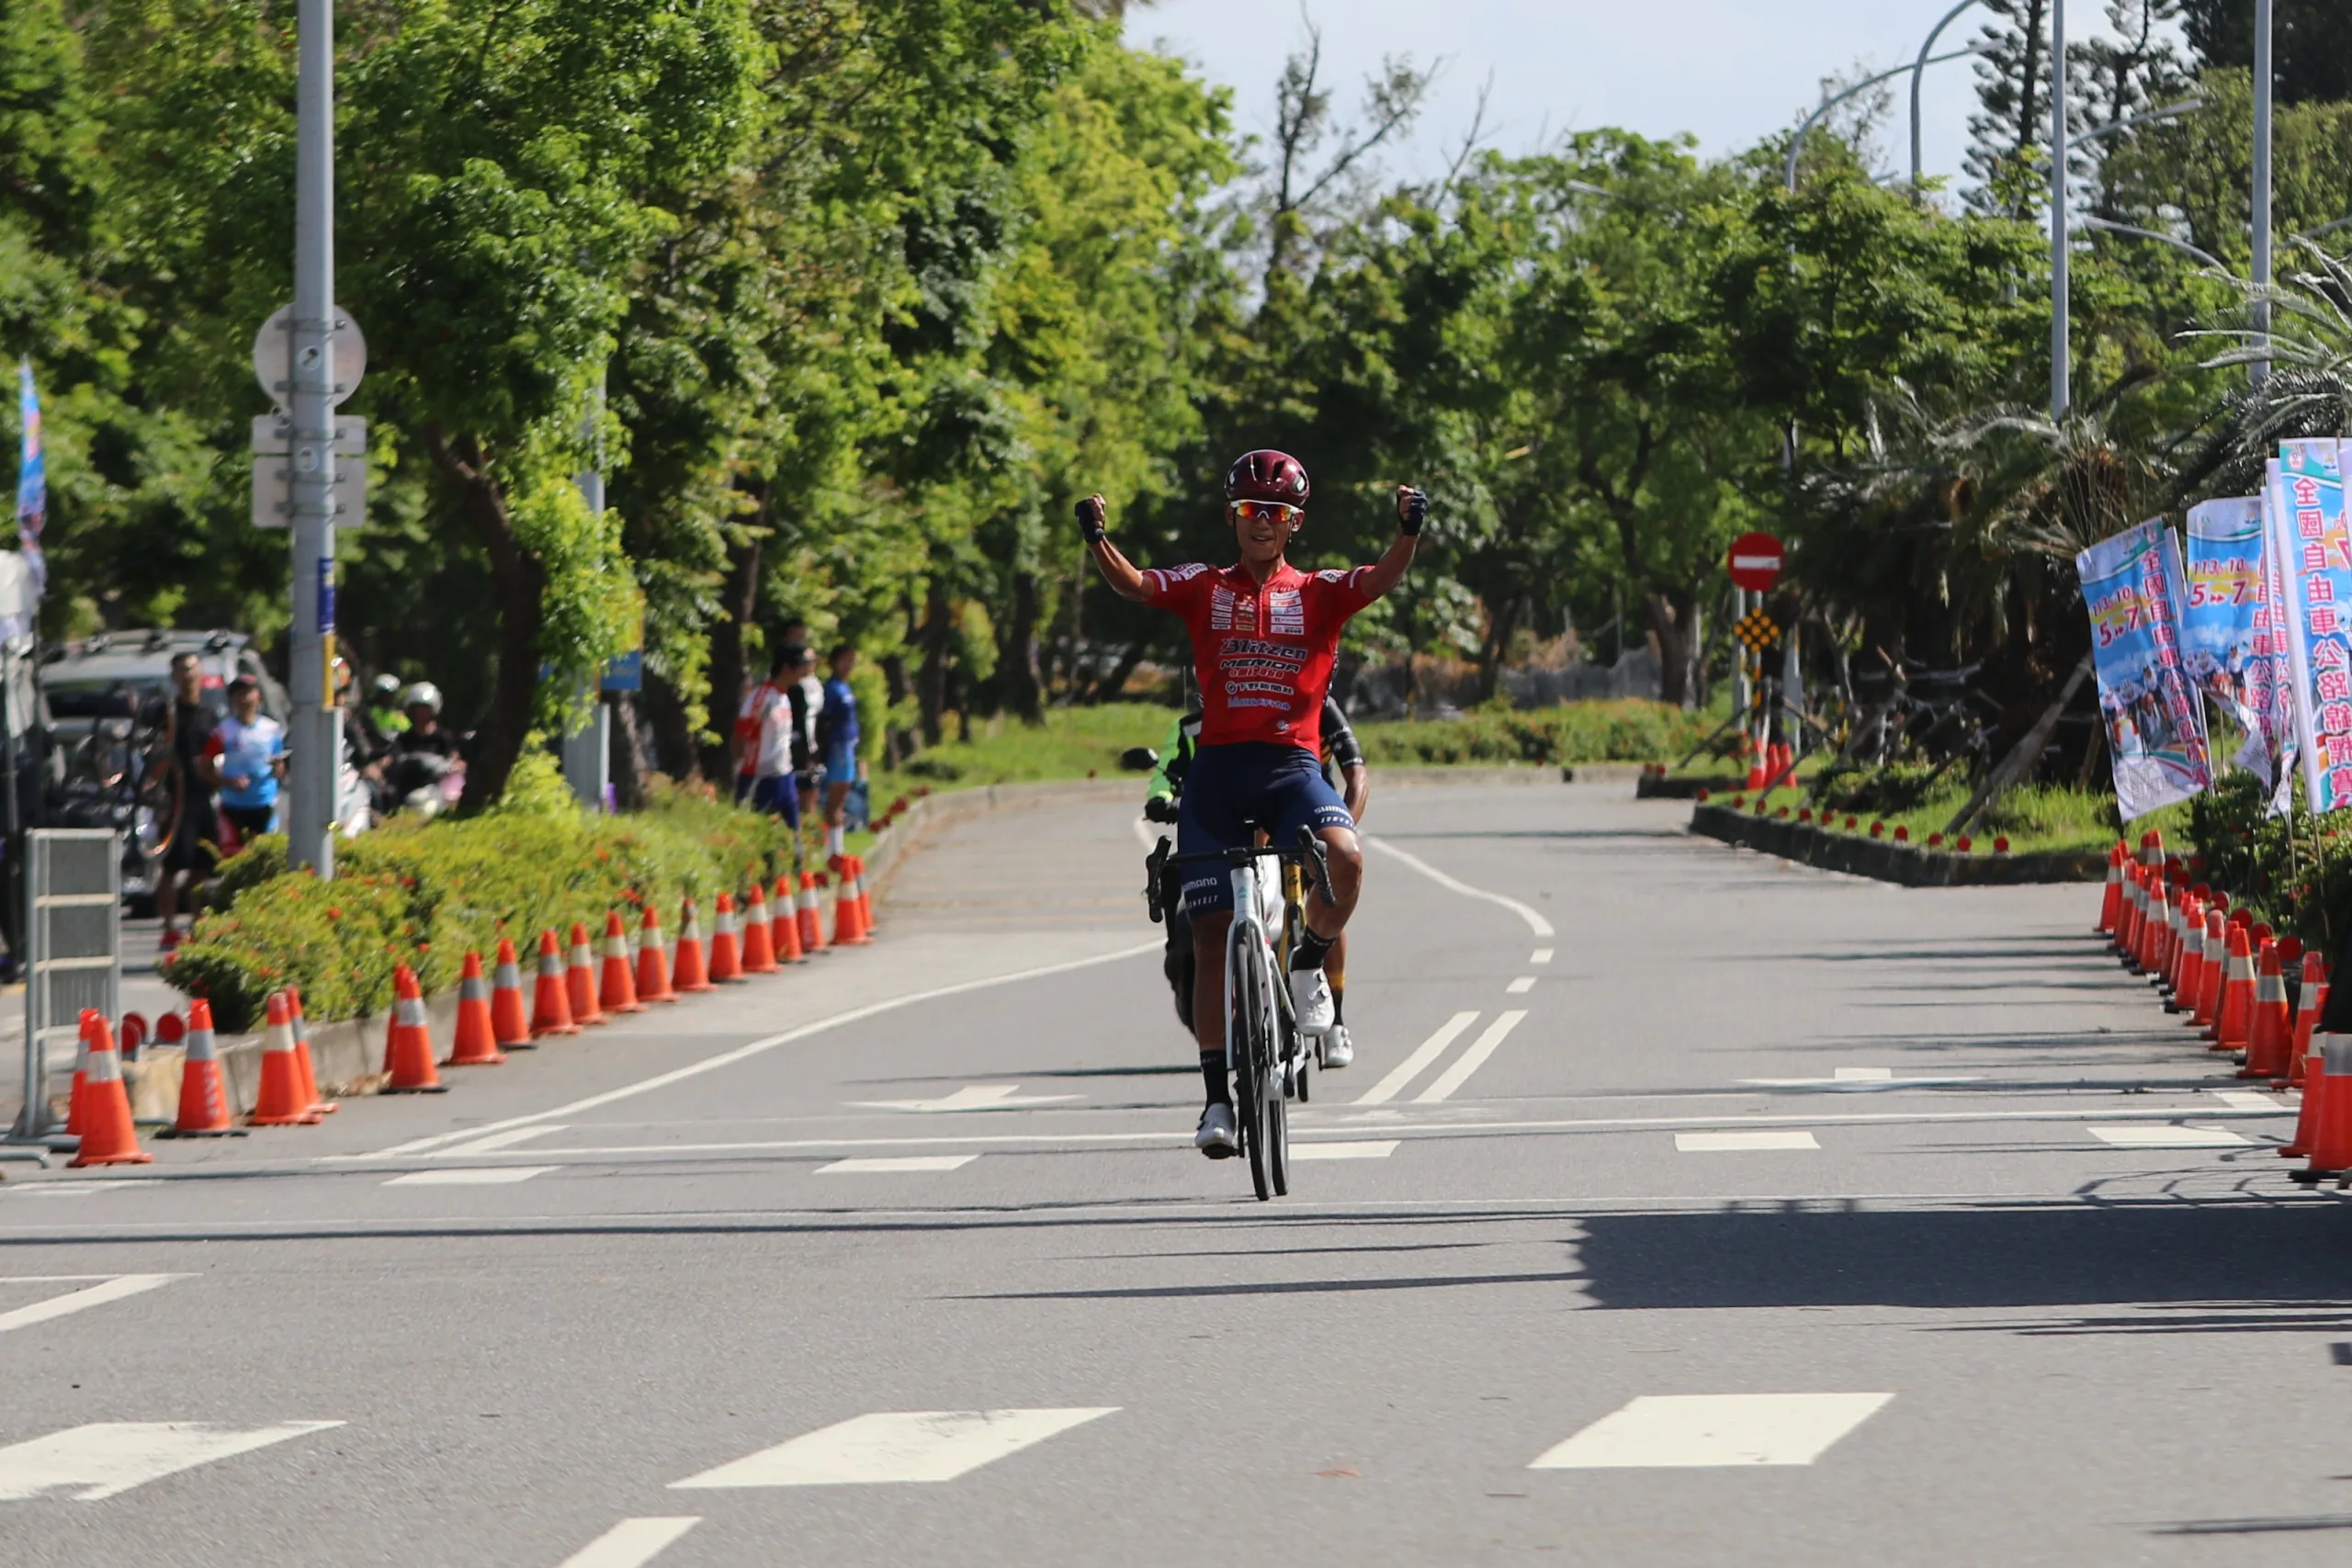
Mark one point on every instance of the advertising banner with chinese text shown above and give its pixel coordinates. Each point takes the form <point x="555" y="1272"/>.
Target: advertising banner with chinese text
<point x="2134" y="585"/>
<point x="2316" y="559"/>
<point x="2225" y="621"/>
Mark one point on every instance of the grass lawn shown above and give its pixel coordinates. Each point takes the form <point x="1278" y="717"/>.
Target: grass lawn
<point x="2035" y="818"/>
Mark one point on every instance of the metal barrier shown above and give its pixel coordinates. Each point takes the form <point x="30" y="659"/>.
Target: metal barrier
<point x="73" y="954"/>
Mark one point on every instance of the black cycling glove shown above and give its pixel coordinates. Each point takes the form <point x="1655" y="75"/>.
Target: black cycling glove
<point x="1412" y="511"/>
<point x="1161" y="808"/>
<point x="1090" y="520"/>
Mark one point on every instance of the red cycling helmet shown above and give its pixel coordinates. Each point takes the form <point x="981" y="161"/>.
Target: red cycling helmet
<point x="1266" y="475"/>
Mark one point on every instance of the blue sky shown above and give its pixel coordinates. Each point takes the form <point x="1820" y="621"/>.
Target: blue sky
<point x="1728" y="72"/>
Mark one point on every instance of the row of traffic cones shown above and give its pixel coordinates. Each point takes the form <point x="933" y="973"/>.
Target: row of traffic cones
<point x="569" y="994"/>
<point x="2227" y="974"/>
<point x="1769" y="764"/>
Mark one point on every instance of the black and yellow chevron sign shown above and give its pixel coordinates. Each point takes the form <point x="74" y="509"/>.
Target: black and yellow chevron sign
<point x="1758" y="630"/>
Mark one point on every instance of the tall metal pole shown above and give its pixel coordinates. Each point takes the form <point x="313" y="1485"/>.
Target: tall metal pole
<point x="587" y="754"/>
<point x="315" y="735"/>
<point x="2060" y="336"/>
<point x="2259" y="370"/>
<point x="1918" y="71"/>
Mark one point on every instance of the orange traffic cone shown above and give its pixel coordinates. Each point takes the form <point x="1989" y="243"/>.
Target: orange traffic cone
<point x="619" y="993"/>
<point x="2110" y="903"/>
<point x="865" y="895"/>
<point x="759" y="947"/>
<point x="107" y="1135"/>
<point x="2209" y="974"/>
<point x="306" y="1074"/>
<point x="551" y="1003"/>
<point x="687" y="971"/>
<point x="475" y="1040"/>
<point x="784" y="925"/>
<point x="408" y="1045"/>
<point x="2311" y="1005"/>
<point x="2188" y="964"/>
<point x="2127" y="929"/>
<point x="204" y="1094"/>
<point x="1755" y="763"/>
<point x="509" y="1024"/>
<point x="2331" y="1140"/>
<point x="726" y="941"/>
<point x="849" y="929"/>
<point x="2314" y="1098"/>
<point x="812" y="937"/>
<point x="580" y="978"/>
<point x="2271" y="1035"/>
<point x="652" y="961"/>
<point x="2234" y="1018"/>
<point x="81" y="1074"/>
<point x="2147" y="957"/>
<point x="281" y="1103"/>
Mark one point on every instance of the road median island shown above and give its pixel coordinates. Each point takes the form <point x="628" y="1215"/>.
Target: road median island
<point x="1910" y="865"/>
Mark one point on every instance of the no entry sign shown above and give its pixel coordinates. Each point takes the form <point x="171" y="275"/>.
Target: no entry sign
<point x="1755" y="562"/>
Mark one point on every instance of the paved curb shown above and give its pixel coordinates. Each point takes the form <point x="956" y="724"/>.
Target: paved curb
<point x="1861" y="856"/>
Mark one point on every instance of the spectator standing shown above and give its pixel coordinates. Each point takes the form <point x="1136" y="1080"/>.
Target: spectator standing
<point x="764" y="736"/>
<point x="247" y="750"/>
<point x="807" y="694"/>
<point x="196" y="828"/>
<point x="838" y="730"/>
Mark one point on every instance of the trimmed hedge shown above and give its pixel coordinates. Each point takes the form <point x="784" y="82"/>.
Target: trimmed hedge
<point x="423" y="893"/>
<point x="1629" y="730"/>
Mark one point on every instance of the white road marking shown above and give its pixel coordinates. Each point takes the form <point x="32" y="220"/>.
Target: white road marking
<point x="98" y="1461"/>
<point x="895" y="1446"/>
<point x="112" y="1288"/>
<point x="1535" y="922"/>
<point x="1707" y="1430"/>
<point x="1470" y="1061"/>
<point x="871" y="1164"/>
<point x="1862" y="1075"/>
<point x="472" y="1176"/>
<point x="756" y="1048"/>
<point x="1429" y="1051"/>
<point x="631" y="1543"/>
<point x="2243" y="1100"/>
<point x="1850" y="1078"/>
<point x="1730" y="1143"/>
<point x="971" y="1097"/>
<point x="2168" y="1137"/>
<point x="497" y="1141"/>
<point x="1541" y="956"/>
<point x="1373" y="1149"/>
<point x="1521" y="987"/>
<point x="71" y="1188"/>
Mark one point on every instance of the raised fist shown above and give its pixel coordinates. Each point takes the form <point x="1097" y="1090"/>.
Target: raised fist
<point x="1091" y="512"/>
<point x="1412" y="509"/>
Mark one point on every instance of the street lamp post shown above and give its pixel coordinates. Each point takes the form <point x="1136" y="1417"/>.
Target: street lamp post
<point x="1797" y="142"/>
<point x="1918" y="71"/>
<point x="2259" y="370"/>
<point x="2061" y="336"/>
<point x="315" y="737"/>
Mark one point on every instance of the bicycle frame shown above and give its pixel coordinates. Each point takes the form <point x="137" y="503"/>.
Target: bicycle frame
<point x="1260" y="927"/>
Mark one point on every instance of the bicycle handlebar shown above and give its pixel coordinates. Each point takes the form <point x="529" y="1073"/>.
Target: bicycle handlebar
<point x="1310" y="849"/>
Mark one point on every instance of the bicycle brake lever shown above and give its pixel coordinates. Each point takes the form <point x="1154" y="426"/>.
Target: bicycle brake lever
<point x="1153" y="865"/>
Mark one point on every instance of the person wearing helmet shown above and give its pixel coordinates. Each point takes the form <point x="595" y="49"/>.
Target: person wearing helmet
<point x="1264" y="635"/>
<point x="424" y="734"/>
<point x="382" y="714"/>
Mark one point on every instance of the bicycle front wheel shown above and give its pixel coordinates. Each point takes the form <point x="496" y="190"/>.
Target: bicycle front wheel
<point x="1253" y="1055"/>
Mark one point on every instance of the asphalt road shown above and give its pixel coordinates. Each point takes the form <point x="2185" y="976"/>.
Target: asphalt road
<point x="1737" y="1213"/>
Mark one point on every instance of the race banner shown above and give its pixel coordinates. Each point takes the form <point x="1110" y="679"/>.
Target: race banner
<point x="2270" y="752"/>
<point x="2224" y="616"/>
<point x="2133" y="585"/>
<point x="32" y="476"/>
<point x="2316" y="559"/>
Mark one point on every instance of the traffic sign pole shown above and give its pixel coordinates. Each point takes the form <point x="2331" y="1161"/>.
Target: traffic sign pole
<point x="315" y="741"/>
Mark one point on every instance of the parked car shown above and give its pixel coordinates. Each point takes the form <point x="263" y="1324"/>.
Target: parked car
<point x="109" y="703"/>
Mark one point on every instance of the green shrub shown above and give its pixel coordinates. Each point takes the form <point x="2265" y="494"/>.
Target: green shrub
<point x="1627" y="731"/>
<point x="2294" y="870"/>
<point x="424" y="893"/>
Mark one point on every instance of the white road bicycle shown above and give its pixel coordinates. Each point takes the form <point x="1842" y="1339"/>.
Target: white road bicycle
<point x="1264" y="1050"/>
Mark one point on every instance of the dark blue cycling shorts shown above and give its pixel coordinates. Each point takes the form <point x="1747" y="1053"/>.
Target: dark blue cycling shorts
<point x="1280" y="788"/>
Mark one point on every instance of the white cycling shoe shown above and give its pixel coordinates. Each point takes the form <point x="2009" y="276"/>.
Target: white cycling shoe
<point x="1338" y="1049"/>
<point x="1310" y="1001"/>
<point x="1216" y="1136"/>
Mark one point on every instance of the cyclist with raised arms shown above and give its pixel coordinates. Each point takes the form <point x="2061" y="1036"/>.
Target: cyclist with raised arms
<point x="1264" y="637"/>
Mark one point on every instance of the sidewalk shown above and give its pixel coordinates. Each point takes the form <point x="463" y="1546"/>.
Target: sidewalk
<point x="142" y="992"/>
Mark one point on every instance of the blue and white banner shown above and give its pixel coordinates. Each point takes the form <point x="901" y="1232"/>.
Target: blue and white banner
<point x="32" y="476"/>
<point x="2316" y="559"/>
<point x="2133" y="585"/>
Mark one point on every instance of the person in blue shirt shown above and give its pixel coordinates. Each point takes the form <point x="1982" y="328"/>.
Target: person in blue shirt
<point x="248" y="755"/>
<point x="837" y="733"/>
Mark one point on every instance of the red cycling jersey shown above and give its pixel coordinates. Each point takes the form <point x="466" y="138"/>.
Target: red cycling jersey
<point x="1262" y="653"/>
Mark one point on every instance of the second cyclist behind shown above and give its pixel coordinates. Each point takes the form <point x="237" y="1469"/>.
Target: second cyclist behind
<point x="1264" y="635"/>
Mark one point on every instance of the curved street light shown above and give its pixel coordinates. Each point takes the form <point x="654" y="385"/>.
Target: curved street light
<point x="2087" y="221"/>
<point x="1797" y="142"/>
<point x="1919" y="69"/>
<point x="2170" y="112"/>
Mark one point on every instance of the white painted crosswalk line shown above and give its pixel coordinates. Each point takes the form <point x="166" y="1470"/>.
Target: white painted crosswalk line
<point x="1736" y="1143"/>
<point x="1862" y="1075"/>
<point x="882" y="1165"/>
<point x="2169" y="1137"/>
<point x="1684" y="1431"/>
<point x="1521" y="987"/>
<point x="1541" y="956"/>
<point x="112" y="1288"/>
<point x="472" y="1176"/>
<point x="2254" y="1104"/>
<point x="895" y="1446"/>
<point x="497" y="1140"/>
<point x="1470" y="1061"/>
<point x="971" y="1097"/>
<point x="631" y="1543"/>
<point x="1377" y="1148"/>
<point x="1429" y="1051"/>
<point x="105" y="1460"/>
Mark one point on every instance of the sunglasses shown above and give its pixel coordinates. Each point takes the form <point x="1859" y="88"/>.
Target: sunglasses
<point x="1267" y="510"/>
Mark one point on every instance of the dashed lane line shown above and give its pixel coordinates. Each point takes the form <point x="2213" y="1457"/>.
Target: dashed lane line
<point x="109" y="1288"/>
<point x="631" y="1543"/>
<point x="1521" y="987"/>
<point x="1688" y="1431"/>
<point x="1736" y="1143"/>
<point x="1377" y="1148"/>
<point x="472" y="1176"/>
<point x="106" y="1459"/>
<point x="895" y="1446"/>
<point x="2169" y="1137"/>
<point x="1535" y="922"/>
<point x="1470" y="1061"/>
<point x="1541" y="956"/>
<point x="869" y="1164"/>
<point x="497" y="1141"/>
<point x="971" y="1097"/>
<point x="746" y="1051"/>
<point x="1429" y="1051"/>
